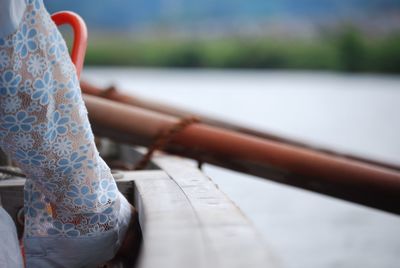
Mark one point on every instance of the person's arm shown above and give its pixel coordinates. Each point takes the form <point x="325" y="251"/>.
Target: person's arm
<point x="74" y="213"/>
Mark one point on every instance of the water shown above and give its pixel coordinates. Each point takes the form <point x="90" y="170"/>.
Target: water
<point x="352" y="113"/>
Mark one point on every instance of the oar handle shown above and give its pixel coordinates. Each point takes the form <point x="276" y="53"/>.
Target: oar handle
<point x="80" y="36"/>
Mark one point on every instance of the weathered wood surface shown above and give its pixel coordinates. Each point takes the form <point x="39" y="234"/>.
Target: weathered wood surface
<point x="189" y="222"/>
<point x="186" y="220"/>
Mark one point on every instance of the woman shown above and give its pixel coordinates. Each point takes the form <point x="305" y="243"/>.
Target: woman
<point x="74" y="214"/>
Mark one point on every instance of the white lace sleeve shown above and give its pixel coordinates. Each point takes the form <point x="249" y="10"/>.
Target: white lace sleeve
<point x="44" y="128"/>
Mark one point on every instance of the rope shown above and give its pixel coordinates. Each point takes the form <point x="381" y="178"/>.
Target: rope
<point x="162" y="140"/>
<point x="107" y="92"/>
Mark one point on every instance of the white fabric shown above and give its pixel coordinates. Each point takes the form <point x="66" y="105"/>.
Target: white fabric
<point x="11" y="12"/>
<point x="10" y="254"/>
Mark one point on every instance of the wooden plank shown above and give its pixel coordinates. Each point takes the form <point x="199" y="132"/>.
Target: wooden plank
<point x="15" y="182"/>
<point x="230" y="236"/>
<point x="172" y="236"/>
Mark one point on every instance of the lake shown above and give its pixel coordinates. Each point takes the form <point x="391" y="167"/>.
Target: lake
<point x="356" y="114"/>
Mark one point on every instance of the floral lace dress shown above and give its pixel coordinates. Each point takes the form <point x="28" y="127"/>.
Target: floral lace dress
<point x="74" y="213"/>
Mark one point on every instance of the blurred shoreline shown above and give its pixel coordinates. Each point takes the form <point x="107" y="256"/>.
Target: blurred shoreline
<point x="347" y="36"/>
<point x="347" y="51"/>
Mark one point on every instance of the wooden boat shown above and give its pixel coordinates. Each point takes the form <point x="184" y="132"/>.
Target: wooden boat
<point x="187" y="221"/>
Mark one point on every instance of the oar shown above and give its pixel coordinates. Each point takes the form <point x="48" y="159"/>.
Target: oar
<point x="365" y="183"/>
<point x="113" y="93"/>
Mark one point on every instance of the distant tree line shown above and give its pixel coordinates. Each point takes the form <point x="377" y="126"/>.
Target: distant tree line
<point x="348" y="51"/>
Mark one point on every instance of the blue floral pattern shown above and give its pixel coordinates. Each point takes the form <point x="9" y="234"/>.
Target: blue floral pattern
<point x="9" y="82"/>
<point x="67" y="165"/>
<point x="82" y="196"/>
<point x="63" y="230"/>
<point x="33" y="198"/>
<point x="107" y="191"/>
<point x="36" y="64"/>
<point x="11" y="105"/>
<point x="25" y="41"/>
<point x="44" y="88"/>
<point x="63" y="146"/>
<point x="22" y="121"/>
<point x="29" y="157"/>
<point x="24" y="141"/>
<point x="56" y="126"/>
<point x="4" y="59"/>
<point x="57" y="47"/>
<point x="44" y="127"/>
<point x="101" y="218"/>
